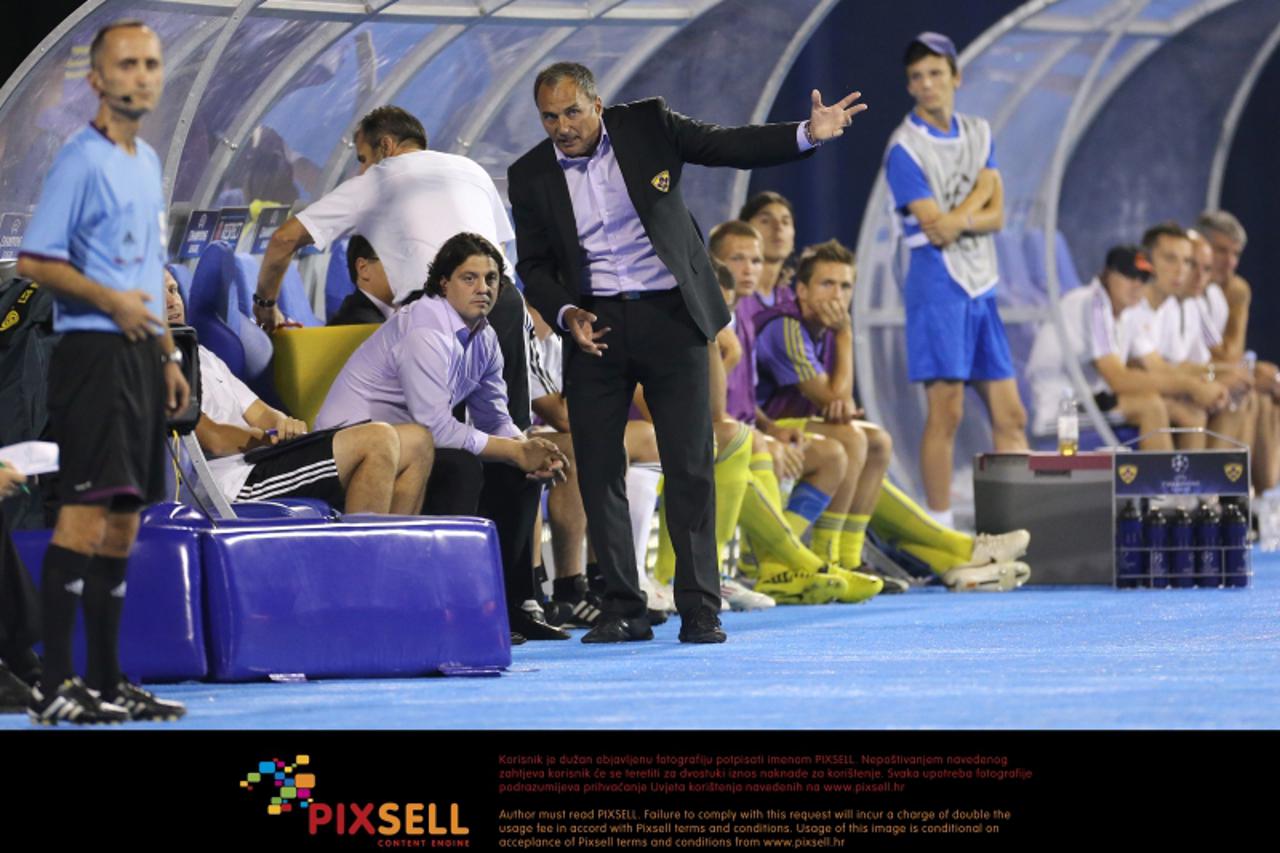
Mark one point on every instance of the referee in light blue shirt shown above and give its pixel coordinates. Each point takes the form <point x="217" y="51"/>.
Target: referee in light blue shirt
<point x="97" y="241"/>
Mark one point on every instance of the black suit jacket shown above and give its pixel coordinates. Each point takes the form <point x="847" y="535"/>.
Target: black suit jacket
<point x="651" y="143"/>
<point x="357" y="309"/>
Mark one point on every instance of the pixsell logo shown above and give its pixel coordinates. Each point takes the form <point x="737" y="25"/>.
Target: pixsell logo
<point x="284" y="789"/>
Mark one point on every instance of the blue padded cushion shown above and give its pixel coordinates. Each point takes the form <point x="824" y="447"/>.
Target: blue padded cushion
<point x="370" y="597"/>
<point x="289" y="510"/>
<point x="162" y="632"/>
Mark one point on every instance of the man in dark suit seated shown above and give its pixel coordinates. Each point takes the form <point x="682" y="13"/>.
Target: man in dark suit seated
<point x="372" y="300"/>
<point x="610" y="256"/>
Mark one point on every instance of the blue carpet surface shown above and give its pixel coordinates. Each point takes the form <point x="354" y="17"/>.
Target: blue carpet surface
<point x="1039" y="658"/>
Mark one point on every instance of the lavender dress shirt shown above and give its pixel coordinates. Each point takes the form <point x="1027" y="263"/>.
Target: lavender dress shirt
<point x="420" y="364"/>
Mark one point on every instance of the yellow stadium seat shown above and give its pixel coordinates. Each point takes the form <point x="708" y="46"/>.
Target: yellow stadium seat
<point x="308" y="360"/>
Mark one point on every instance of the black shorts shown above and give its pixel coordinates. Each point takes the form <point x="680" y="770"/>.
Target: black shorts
<point x="106" y="412"/>
<point x="308" y="471"/>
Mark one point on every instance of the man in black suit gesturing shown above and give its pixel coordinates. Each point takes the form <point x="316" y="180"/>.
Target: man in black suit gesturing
<point x="610" y="254"/>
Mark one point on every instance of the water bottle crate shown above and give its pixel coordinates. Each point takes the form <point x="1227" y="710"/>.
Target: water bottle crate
<point x="1181" y="520"/>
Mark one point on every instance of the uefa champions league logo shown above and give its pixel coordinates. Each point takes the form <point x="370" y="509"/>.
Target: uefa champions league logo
<point x="1180" y="463"/>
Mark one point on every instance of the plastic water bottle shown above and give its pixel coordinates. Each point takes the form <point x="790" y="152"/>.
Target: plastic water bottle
<point x="1068" y="424"/>
<point x="1235" y="554"/>
<point x="1182" y="559"/>
<point x="1129" y="546"/>
<point x="1208" y="547"/>
<point x="1156" y="534"/>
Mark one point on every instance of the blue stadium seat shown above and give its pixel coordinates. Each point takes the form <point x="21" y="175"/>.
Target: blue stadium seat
<point x="337" y="281"/>
<point x="221" y="311"/>
<point x="293" y="300"/>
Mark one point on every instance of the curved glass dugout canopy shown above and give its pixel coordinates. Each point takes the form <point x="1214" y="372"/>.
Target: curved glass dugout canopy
<point x="1096" y="136"/>
<point x="1108" y="116"/>
<point x="261" y="96"/>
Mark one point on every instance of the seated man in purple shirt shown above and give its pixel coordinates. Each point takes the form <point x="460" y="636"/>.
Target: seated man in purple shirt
<point x="804" y="353"/>
<point x="432" y="355"/>
<point x="371" y="467"/>
<point x="788" y="572"/>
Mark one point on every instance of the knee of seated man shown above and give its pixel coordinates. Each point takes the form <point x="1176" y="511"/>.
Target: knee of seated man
<point x="879" y="442"/>
<point x="376" y="439"/>
<point x="825" y="454"/>
<point x="415" y="441"/>
<point x="1151" y="405"/>
<point x="1191" y="416"/>
<point x="852" y="437"/>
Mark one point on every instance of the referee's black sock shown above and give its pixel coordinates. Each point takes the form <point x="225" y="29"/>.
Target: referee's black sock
<point x="61" y="588"/>
<point x="103" y="604"/>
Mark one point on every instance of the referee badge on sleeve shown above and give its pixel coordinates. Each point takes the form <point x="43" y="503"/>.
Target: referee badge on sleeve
<point x="662" y="181"/>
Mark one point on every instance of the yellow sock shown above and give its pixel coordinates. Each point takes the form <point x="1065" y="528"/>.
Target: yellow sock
<point x="939" y="561"/>
<point x="762" y="474"/>
<point x="770" y="536"/>
<point x="798" y="523"/>
<point x="853" y="534"/>
<point x="826" y="536"/>
<point x="899" y="519"/>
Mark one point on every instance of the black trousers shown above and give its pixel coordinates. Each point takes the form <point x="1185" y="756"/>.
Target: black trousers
<point x="462" y="484"/>
<point x="653" y="342"/>
<point x="19" y="603"/>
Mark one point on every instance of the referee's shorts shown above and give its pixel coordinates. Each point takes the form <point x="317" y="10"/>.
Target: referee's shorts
<point x="106" y="412"/>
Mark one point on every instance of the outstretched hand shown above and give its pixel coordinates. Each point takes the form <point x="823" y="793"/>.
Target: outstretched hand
<point x="828" y="122"/>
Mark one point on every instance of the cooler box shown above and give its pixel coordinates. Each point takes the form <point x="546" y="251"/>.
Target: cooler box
<point x="1064" y="501"/>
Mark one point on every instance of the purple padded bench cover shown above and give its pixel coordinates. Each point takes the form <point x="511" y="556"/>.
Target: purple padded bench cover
<point x="371" y="596"/>
<point x="161" y="633"/>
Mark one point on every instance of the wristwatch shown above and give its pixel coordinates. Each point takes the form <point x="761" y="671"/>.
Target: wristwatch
<point x="174" y="357"/>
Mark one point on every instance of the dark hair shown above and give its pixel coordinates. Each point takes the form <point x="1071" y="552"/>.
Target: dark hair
<point x="832" y="251"/>
<point x="358" y="248"/>
<point x="453" y="254"/>
<point x="100" y="38"/>
<point x="732" y="228"/>
<point x="401" y="125"/>
<point x="580" y="74"/>
<point x="723" y="275"/>
<point x="1168" y="228"/>
<point x="760" y="201"/>
<point x="917" y="51"/>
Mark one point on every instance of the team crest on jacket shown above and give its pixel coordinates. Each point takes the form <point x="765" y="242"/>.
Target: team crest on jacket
<point x="662" y="181"/>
